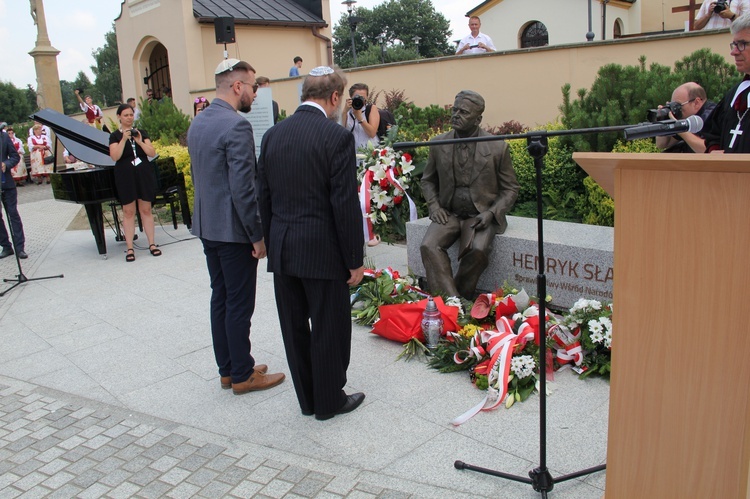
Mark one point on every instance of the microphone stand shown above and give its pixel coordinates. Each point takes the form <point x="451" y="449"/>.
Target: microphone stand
<point x="20" y="278"/>
<point x="539" y="478"/>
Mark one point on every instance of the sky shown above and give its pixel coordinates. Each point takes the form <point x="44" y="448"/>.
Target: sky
<point x="77" y="27"/>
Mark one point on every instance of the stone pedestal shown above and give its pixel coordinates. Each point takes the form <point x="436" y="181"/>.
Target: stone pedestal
<point x="579" y="258"/>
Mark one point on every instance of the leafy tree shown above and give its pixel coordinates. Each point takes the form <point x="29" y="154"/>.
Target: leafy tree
<point x="14" y="107"/>
<point x="70" y="103"/>
<point x="399" y="21"/>
<point x="107" y="71"/>
<point x="30" y="96"/>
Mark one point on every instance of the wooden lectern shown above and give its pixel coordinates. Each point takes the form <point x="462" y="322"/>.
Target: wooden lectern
<point x="679" y="411"/>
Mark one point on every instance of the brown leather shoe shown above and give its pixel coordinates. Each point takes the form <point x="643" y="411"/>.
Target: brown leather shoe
<point x="226" y="381"/>
<point x="257" y="381"/>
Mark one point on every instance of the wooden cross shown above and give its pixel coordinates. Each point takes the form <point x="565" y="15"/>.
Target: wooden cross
<point x="735" y="132"/>
<point x="690" y="9"/>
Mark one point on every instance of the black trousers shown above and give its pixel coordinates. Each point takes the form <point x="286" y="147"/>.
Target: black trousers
<point x="233" y="271"/>
<point x="10" y="205"/>
<point x="317" y="329"/>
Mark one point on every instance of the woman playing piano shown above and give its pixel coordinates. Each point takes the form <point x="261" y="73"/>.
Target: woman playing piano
<point x="135" y="178"/>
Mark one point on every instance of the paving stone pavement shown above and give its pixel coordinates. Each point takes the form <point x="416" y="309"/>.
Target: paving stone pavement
<point x="109" y="390"/>
<point x="52" y="447"/>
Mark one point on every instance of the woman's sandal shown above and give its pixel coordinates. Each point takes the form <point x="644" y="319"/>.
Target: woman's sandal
<point x="374" y="241"/>
<point x="154" y="250"/>
<point x="130" y="255"/>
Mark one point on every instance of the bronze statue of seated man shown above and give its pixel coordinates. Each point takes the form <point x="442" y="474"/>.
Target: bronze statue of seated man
<point x="469" y="189"/>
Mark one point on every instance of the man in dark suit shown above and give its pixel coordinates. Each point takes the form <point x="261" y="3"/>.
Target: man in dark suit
<point x="313" y="229"/>
<point x="10" y="158"/>
<point x="469" y="188"/>
<point x="227" y="220"/>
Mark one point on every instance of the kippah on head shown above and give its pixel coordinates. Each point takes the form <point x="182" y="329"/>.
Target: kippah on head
<point x="226" y="65"/>
<point x="321" y="71"/>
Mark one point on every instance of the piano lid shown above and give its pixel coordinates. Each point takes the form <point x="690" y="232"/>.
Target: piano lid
<point x="81" y="140"/>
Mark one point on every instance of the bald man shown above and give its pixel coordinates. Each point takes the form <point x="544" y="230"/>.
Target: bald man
<point x="693" y="101"/>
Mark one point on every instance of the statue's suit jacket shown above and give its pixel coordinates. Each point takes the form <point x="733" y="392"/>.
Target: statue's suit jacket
<point x="223" y="168"/>
<point x="493" y="181"/>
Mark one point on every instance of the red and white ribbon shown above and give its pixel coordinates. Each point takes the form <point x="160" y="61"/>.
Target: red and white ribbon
<point x="500" y="347"/>
<point x="569" y="348"/>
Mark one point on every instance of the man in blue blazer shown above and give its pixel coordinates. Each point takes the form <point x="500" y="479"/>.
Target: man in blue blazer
<point x="313" y="231"/>
<point x="227" y="220"/>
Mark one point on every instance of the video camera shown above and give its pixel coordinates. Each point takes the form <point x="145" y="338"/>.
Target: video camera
<point x="662" y="113"/>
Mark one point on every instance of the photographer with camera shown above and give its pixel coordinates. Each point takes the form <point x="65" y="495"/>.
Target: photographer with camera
<point x="361" y="118"/>
<point x="135" y="178"/>
<point x="475" y="42"/>
<point x="718" y="14"/>
<point x="689" y="99"/>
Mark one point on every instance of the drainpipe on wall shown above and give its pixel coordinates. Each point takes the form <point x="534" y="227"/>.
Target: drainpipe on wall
<point x="329" y="47"/>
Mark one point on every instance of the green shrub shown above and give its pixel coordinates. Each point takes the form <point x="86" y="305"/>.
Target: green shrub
<point x="622" y="95"/>
<point x="562" y="179"/>
<point x="163" y="121"/>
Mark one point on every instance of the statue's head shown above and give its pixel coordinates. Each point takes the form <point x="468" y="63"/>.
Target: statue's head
<point x="466" y="114"/>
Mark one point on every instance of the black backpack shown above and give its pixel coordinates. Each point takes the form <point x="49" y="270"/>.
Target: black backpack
<point x="387" y="120"/>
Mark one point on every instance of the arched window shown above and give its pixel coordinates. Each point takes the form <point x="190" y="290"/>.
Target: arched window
<point x="617" y="28"/>
<point x="534" y="35"/>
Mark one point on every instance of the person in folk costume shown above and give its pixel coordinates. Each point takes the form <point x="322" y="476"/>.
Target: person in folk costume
<point x="93" y="112"/>
<point x="39" y="148"/>
<point x="18" y="172"/>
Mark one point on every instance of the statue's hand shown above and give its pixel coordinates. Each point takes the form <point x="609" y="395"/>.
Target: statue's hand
<point x="440" y="216"/>
<point x="483" y="220"/>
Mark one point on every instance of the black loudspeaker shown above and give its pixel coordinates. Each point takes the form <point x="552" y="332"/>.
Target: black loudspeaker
<point x="224" y="27"/>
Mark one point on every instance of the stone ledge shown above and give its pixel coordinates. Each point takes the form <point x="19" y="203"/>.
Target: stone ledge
<point x="579" y="258"/>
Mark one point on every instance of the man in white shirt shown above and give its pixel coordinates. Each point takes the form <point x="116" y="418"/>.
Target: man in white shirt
<point x="709" y="18"/>
<point x="475" y="42"/>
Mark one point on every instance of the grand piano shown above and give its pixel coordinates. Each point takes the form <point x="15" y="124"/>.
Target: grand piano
<point x="96" y="185"/>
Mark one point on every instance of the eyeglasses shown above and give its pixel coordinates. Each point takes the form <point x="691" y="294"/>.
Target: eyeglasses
<point x="688" y="101"/>
<point x="254" y="85"/>
<point x="739" y="45"/>
<point x="200" y="99"/>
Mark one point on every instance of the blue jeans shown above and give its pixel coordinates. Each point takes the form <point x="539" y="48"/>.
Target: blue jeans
<point x="233" y="271"/>
<point x="10" y="205"/>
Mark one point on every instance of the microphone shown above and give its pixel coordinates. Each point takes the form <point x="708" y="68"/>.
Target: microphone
<point x="692" y="124"/>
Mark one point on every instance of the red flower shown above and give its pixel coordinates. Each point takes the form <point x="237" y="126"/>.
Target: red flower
<point x="384" y="208"/>
<point x="383" y="183"/>
<point x="406" y="156"/>
<point x="397" y="199"/>
<point x="383" y="152"/>
<point x="374" y="153"/>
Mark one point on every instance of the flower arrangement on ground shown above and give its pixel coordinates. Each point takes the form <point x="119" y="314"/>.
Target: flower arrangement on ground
<point x="590" y="322"/>
<point x="498" y="342"/>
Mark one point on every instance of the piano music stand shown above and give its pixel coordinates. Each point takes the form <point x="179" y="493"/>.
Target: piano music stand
<point x="20" y="278"/>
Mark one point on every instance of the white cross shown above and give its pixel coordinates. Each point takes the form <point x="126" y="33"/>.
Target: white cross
<point x="735" y="132"/>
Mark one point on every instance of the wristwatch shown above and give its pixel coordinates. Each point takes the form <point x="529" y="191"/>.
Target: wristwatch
<point x="360" y="121"/>
<point x="733" y="17"/>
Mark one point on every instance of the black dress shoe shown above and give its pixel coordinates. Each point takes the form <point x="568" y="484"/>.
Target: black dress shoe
<point x="307" y="412"/>
<point x="6" y="252"/>
<point x="22" y="254"/>
<point x="352" y="402"/>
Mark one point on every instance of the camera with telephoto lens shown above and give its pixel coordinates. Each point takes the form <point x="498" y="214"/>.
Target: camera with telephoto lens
<point x="720" y="6"/>
<point x="661" y="114"/>
<point x="358" y="102"/>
